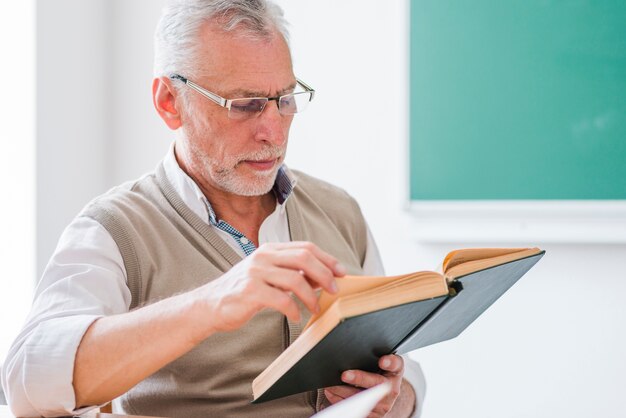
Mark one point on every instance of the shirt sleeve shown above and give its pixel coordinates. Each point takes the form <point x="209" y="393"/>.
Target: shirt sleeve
<point x="373" y="266"/>
<point x="84" y="280"/>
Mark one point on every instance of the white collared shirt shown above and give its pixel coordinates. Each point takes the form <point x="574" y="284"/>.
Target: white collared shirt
<point x="84" y="280"/>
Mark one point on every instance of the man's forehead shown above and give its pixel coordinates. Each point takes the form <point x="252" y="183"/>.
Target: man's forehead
<point x="242" y="47"/>
<point x="239" y="65"/>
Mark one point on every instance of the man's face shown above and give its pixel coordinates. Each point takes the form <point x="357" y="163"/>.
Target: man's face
<point x="238" y="156"/>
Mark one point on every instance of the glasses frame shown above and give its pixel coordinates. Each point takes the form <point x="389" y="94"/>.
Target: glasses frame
<point x="226" y="103"/>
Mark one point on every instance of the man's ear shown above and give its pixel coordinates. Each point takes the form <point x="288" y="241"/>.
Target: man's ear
<point x="164" y="98"/>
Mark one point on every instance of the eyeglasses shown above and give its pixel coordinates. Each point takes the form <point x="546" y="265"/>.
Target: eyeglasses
<point x="249" y="107"/>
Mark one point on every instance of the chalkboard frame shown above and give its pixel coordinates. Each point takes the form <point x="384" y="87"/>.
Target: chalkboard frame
<point x="524" y="223"/>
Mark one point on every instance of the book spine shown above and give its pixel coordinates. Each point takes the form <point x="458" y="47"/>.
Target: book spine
<point x="455" y="287"/>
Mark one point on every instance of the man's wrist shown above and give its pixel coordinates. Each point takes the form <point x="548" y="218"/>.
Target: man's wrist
<point x="406" y="403"/>
<point x="198" y="312"/>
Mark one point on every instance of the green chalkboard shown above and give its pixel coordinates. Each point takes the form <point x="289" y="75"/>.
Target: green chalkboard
<point x="519" y="99"/>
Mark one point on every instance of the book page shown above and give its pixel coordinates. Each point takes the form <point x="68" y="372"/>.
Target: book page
<point x="349" y="285"/>
<point x="457" y="257"/>
<point x="472" y="264"/>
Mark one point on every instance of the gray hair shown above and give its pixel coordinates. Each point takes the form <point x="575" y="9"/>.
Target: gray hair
<point x="176" y="37"/>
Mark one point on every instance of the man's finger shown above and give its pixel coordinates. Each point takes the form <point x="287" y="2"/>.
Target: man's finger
<point x="332" y="398"/>
<point x="343" y="391"/>
<point x="362" y="379"/>
<point x="280" y="301"/>
<point x="291" y="280"/>
<point x="391" y="363"/>
<point x="330" y="261"/>
<point x="301" y="259"/>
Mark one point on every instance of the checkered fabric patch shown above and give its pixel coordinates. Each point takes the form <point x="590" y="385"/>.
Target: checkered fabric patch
<point x="246" y="245"/>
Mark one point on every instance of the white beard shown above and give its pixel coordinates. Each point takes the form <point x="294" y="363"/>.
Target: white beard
<point x="224" y="172"/>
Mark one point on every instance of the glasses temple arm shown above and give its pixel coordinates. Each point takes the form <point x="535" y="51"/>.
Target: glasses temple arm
<point x="211" y="96"/>
<point x="306" y="87"/>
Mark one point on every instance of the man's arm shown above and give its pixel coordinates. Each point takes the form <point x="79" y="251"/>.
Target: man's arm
<point x="79" y="323"/>
<point x="84" y="280"/>
<point x="155" y="335"/>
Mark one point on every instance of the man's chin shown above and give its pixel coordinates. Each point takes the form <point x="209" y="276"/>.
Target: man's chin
<point x="252" y="184"/>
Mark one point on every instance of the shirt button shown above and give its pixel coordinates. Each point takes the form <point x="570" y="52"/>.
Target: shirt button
<point x="244" y="240"/>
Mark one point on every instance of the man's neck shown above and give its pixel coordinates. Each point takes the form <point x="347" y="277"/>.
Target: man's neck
<point x="245" y="213"/>
<point x="240" y="211"/>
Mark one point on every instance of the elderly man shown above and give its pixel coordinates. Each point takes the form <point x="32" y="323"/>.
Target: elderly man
<point x="157" y="293"/>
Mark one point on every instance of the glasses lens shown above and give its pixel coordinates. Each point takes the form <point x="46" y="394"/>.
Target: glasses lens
<point x="294" y="103"/>
<point x="245" y="108"/>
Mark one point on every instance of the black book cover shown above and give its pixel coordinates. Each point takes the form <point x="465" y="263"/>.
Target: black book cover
<point x="358" y="342"/>
<point x="355" y="343"/>
<point x="479" y="291"/>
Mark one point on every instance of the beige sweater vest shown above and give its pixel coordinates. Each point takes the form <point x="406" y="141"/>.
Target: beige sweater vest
<point x="167" y="249"/>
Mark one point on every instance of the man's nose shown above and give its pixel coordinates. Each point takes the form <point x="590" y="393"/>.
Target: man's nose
<point x="271" y="124"/>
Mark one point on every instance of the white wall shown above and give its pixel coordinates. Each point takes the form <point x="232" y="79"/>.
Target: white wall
<point x="72" y="113"/>
<point x="96" y="126"/>
<point x="17" y="168"/>
<point x="553" y="346"/>
<point x="139" y="139"/>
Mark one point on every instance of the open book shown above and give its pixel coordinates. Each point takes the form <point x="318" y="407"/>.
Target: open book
<point x="373" y="316"/>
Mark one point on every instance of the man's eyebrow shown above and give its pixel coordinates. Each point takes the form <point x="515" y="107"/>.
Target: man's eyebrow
<point x="242" y="93"/>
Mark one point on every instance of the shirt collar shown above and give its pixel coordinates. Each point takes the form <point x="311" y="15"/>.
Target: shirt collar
<point x="192" y="195"/>
<point x="284" y="184"/>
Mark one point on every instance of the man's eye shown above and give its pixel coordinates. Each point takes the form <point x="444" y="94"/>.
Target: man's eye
<point x="247" y="106"/>
<point x="288" y="104"/>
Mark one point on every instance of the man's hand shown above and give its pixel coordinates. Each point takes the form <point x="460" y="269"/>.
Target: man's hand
<point x="266" y="279"/>
<point x="392" y="367"/>
<point x="157" y="334"/>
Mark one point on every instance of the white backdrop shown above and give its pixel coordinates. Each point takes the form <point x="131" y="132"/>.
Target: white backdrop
<point x="553" y="346"/>
<point x="17" y="167"/>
